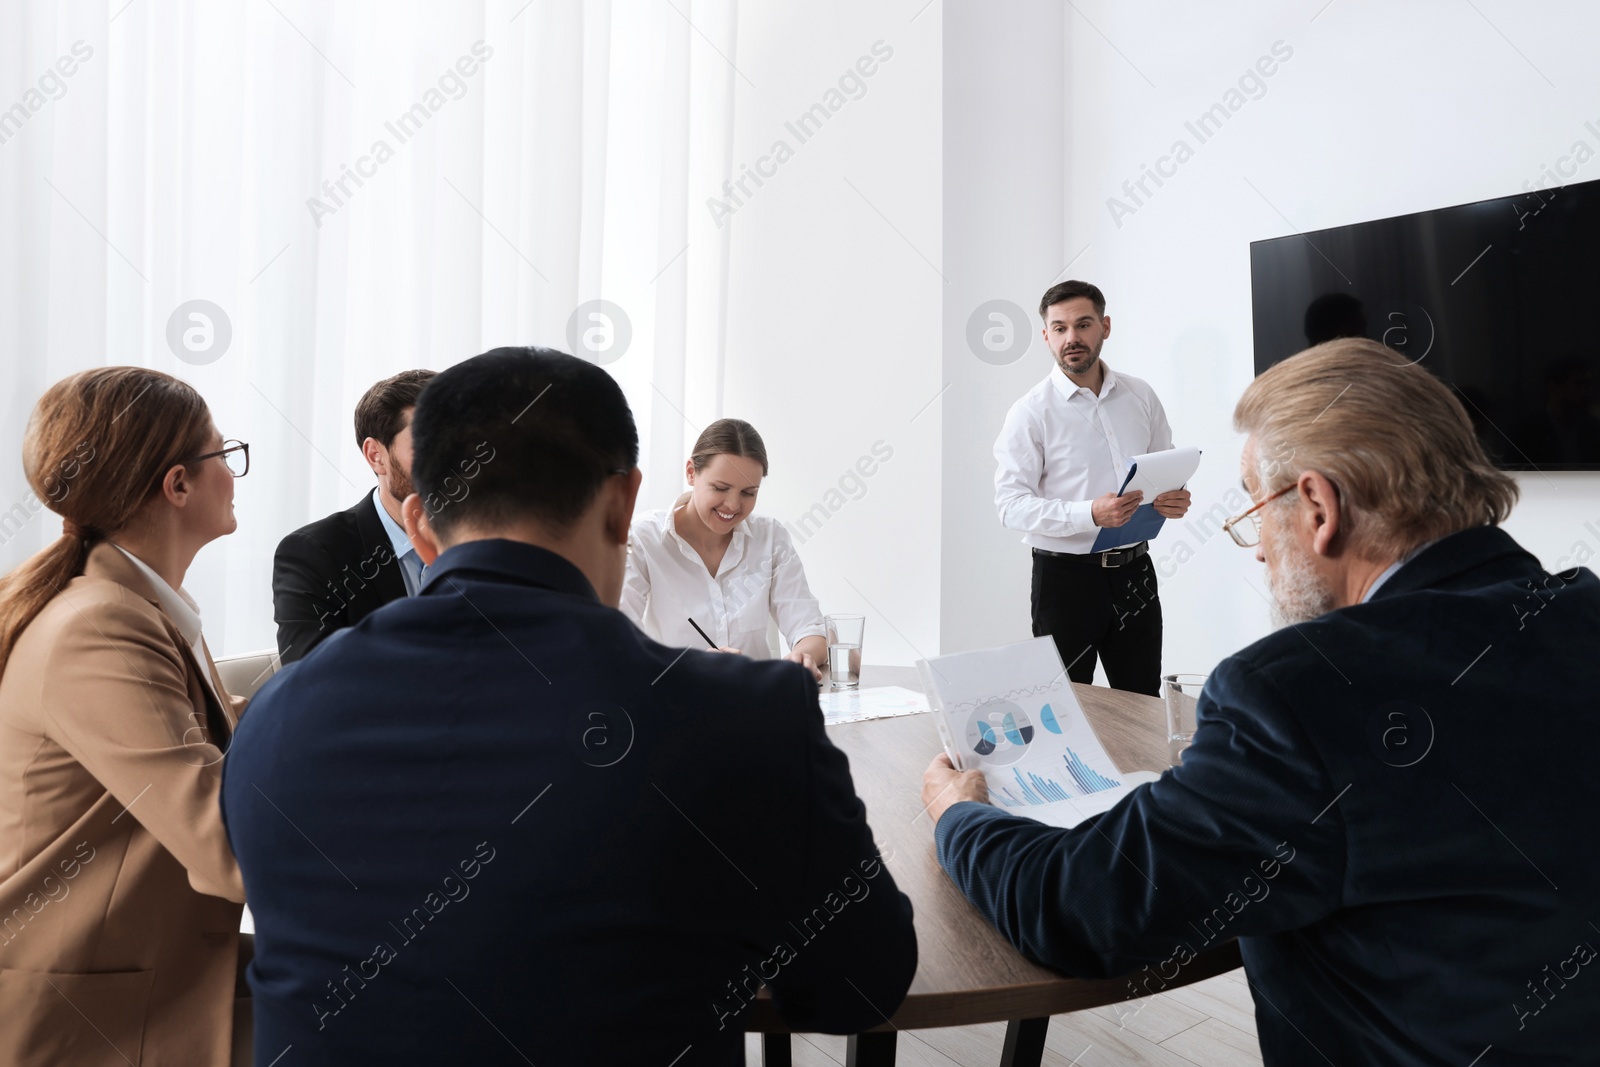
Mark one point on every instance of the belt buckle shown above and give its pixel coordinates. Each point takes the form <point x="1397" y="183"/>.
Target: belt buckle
<point x="1105" y="558"/>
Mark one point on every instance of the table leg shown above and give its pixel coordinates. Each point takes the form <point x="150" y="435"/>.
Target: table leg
<point x="875" y="1049"/>
<point x="1024" y="1042"/>
<point x="775" y="1051"/>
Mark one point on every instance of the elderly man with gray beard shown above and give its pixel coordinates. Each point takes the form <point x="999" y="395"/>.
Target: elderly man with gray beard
<point x="1384" y="795"/>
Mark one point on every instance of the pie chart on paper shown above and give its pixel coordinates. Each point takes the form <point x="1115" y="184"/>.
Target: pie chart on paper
<point x="1048" y="717"/>
<point x="999" y="732"/>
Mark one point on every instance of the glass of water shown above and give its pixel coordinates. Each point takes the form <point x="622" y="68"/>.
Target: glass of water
<point x="844" y="650"/>
<point x="1181" y="694"/>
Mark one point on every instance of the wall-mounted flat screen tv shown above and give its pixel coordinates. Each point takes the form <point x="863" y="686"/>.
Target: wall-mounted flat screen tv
<point x="1499" y="298"/>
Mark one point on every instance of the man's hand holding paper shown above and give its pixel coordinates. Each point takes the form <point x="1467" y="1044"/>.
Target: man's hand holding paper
<point x="1111" y="510"/>
<point x="1158" y="477"/>
<point x="1172" y="505"/>
<point x="943" y="785"/>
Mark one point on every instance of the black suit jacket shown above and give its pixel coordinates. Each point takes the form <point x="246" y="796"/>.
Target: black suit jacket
<point x="331" y="574"/>
<point x="1380" y="805"/>
<point x="542" y="837"/>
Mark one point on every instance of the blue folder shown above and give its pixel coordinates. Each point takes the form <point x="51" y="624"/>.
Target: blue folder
<point x="1144" y="525"/>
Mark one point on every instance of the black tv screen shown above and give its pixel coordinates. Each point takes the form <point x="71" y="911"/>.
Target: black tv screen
<point x="1494" y="297"/>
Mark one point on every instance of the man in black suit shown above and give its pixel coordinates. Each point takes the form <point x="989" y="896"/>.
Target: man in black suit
<point x="539" y="835"/>
<point x="335" y="571"/>
<point x="1390" y="800"/>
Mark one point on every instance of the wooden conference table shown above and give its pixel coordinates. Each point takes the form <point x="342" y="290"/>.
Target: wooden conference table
<point x="966" y="972"/>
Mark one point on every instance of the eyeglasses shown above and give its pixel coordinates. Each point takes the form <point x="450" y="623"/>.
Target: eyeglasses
<point x="236" y="454"/>
<point x="1248" y="534"/>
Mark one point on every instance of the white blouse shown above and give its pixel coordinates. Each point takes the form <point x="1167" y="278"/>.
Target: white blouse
<point x="668" y="583"/>
<point x="180" y="607"/>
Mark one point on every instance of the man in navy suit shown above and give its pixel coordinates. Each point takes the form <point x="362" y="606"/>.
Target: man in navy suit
<point x="496" y="824"/>
<point x="1390" y="801"/>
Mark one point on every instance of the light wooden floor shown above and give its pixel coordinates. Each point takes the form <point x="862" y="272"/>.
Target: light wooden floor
<point x="1208" y="1024"/>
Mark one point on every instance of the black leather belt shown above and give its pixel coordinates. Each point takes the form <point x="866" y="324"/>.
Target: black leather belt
<point x="1116" y="557"/>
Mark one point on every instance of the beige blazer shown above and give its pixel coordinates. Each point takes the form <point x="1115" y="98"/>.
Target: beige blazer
<point x="119" y="895"/>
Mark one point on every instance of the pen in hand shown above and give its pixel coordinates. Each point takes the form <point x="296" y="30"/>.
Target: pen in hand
<point x="703" y="634"/>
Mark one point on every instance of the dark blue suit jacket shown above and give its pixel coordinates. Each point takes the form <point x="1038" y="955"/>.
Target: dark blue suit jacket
<point x="1392" y="807"/>
<point x="495" y="821"/>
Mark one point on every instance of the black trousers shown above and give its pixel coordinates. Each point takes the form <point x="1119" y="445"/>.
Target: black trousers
<point x="1109" y="612"/>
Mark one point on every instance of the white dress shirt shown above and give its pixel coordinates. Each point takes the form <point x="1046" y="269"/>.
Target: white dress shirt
<point x="180" y="607"/>
<point x="1062" y="446"/>
<point x="667" y="583"/>
<point x="410" y="562"/>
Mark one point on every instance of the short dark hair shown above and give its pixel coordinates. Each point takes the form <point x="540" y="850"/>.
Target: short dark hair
<point x="381" y="411"/>
<point x="1069" y="289"/>
<point x="519" y="433"/>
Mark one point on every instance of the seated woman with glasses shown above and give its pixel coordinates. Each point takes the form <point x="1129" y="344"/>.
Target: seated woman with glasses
<point x="119" y="896"/>
<point x="708" y="559"/>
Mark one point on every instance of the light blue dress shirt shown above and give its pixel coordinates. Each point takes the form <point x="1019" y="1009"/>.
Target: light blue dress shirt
<point x="410" y="563"/>
<point x="1389" y="571"/>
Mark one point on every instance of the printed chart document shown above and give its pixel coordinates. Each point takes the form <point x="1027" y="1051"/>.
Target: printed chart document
<point x="1011" y="713"/>
<point x="1153" y="473"/>
<point x="879" y="702"/>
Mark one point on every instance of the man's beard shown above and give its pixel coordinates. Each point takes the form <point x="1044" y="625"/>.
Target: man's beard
<point x="1092" y="354"/>
<point x="400" y="485"/>
<point x="1297" y="593"/>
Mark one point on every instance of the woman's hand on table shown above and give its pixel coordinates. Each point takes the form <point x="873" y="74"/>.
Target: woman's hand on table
<point x="943" y="785"/>
<point x="809" y="652"/>
<point x="805" y="660"/>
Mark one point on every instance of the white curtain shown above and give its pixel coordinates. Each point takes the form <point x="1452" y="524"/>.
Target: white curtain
<point x="359" y="188"/>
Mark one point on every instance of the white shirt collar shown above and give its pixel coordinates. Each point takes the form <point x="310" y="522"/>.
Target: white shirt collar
<point x="397" y="533"/>
<point x="669" y="525"/>
<point x="177" y="604"/>
<point x="1069" y="388"/>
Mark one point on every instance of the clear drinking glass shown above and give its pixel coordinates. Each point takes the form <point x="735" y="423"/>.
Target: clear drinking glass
<point x="844" y="650"/>
<point x="1181" y="694"/>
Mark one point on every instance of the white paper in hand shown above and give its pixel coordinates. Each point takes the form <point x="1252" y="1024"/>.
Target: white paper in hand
<point x="1011" y="713"/>
<point x="1161" y="472"/>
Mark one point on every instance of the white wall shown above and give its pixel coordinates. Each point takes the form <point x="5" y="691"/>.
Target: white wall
<point x="1382" y="109"/>
<point x="833" y="306"/>
<point x="1006" y="195"/>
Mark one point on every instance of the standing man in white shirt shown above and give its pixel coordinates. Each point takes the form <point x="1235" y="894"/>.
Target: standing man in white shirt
<point x="1061" y="458"/>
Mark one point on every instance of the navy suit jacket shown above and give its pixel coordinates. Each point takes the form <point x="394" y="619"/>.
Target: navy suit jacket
<point x="496" y="821"/>
<point x="1391" y="807"/>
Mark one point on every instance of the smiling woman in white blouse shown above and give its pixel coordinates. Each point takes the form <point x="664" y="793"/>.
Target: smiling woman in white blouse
<point x="710" y="559"/>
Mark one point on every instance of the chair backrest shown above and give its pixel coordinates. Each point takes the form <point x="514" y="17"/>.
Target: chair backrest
<point x="243" y="675"/>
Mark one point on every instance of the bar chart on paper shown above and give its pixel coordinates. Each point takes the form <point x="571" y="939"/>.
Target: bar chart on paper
<point x="1032" y="787"/>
